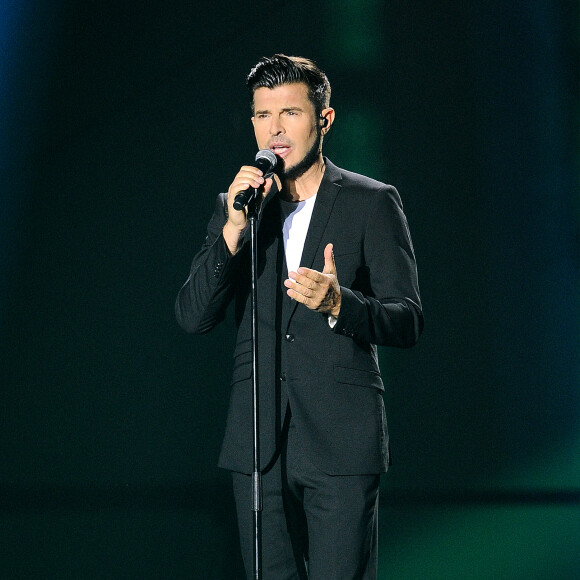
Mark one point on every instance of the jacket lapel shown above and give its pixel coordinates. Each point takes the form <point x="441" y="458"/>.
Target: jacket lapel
<point x="327" y="193"/>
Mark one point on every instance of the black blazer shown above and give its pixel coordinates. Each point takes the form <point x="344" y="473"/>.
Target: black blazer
<point x="329" y="376"/>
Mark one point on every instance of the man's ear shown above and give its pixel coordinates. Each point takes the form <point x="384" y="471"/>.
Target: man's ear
<point x="327" y="119"/>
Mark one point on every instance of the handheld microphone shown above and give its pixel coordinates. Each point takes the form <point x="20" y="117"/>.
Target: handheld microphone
<point x="265" y="161"/>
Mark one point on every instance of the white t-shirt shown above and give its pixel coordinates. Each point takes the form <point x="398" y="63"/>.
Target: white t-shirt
<point x="296" y="216"/>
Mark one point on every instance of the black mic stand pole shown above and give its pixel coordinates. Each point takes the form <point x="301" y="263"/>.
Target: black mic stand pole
<point x="256" y="475"/>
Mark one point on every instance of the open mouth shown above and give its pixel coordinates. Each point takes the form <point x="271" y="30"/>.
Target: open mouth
<point x="280" y="150"/>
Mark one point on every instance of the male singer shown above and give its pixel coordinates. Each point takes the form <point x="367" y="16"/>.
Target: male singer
<point x="336" y="278"/>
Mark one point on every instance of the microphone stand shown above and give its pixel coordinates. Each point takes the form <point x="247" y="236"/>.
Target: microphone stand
<point x="256" y="474"/>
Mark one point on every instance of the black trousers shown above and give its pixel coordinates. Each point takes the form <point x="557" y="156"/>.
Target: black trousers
<point x="314" y="526"/>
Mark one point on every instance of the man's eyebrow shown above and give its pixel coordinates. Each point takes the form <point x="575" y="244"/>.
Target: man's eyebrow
<point x="284" y="110"/>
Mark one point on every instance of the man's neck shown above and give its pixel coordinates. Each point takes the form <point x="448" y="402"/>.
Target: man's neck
<point x="306" y="185"/>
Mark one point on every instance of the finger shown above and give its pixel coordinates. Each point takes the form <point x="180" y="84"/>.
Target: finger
<point x="247" y="180"/>
<point x="329" y="265"/>
<point x="300" y="298"/>
<point x="307" y="274"/>
<point x="250" y="169"/>
<point x="247" y="177"/>
<point x="301" y="289"/>
<point x="304" y="280"/>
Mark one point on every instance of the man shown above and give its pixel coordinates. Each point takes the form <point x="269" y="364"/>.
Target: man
<point x="337" y="277"/>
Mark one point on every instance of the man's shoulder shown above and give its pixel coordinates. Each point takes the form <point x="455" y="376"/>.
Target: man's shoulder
<point x="353" y="179"/>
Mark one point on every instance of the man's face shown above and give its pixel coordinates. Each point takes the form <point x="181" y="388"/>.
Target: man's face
<point x="285" y="122"/>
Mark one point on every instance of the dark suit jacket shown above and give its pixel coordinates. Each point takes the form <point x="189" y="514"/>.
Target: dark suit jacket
<point x="330" y="377"/>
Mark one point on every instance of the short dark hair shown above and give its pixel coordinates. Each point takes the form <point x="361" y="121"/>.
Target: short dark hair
<point x="271" y="72"/>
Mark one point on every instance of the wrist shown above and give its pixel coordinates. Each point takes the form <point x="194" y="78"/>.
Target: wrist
<point x="232" y="234"/>
<point x="336" y="308"/>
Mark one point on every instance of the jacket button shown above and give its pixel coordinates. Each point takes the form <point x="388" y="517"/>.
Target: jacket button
<point x="290" y="338"/>
<point x="283" y="376"/>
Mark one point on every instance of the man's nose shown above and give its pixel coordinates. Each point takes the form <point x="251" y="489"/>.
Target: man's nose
<point x="276" y="126"/>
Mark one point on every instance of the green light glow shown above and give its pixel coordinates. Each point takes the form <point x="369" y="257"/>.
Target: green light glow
<point x="360" y="29"/>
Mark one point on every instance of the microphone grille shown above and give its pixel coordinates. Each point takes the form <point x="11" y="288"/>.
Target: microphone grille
<point x="267" y="154"/>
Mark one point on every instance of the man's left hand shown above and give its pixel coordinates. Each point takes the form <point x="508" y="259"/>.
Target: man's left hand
<point x="318" y="291"/>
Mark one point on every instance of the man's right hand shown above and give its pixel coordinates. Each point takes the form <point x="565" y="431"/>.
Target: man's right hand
<point x="247" y="177"/>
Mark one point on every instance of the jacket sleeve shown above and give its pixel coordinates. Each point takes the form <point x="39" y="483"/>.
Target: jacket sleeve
<point x="203" y="299"/>
<point x="386" y="309"/>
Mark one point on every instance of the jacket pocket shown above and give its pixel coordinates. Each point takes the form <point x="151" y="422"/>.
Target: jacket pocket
<point x="359" y="377"/>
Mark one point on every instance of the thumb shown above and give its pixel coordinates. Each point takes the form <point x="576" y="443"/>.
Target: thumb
<point x="270" y="182"/>
<point x="329" y="265"/>
<point x="267" y="186"/>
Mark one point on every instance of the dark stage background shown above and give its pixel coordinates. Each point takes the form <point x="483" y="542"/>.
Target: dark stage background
<point x="121" y="121"/>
